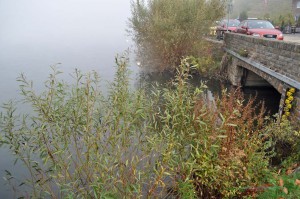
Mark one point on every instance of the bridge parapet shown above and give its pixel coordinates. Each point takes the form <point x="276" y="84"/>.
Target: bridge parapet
<point x="277" y="62"/>
<point x="281" y="57"/>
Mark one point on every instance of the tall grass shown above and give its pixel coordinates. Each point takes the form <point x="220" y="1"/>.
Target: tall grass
<point x="80" y="143"/>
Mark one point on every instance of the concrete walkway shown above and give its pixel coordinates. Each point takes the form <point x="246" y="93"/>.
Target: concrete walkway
<point x="292" y="37"/>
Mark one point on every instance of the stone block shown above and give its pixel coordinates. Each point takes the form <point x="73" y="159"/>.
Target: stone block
<point x="279" y="56"/>
<point x="297" y="48"/>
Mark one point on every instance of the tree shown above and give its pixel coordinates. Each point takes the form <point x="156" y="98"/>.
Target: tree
<point x="167" y="30"/>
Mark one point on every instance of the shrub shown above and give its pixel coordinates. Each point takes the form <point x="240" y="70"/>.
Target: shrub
<point x="286" y="142"/>
<point x="81" y="143"/>
<point x="282" y="186"/>
<point x="167" y="30"/>
<point x="219" y="147"/>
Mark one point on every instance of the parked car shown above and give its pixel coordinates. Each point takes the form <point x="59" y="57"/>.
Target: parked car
<point x="222" y="27"/>
<point x="259" y="28"/>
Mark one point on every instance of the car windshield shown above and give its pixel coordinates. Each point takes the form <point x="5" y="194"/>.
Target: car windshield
<point x="260" y="25"/>
<point x="232" y="23"/>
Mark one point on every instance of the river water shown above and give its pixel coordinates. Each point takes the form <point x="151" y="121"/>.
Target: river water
<point x="82" y="34"/>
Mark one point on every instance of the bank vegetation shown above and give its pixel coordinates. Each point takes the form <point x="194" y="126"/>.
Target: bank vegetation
<point x="172" y="142"/>
<point x="165" y="31"/>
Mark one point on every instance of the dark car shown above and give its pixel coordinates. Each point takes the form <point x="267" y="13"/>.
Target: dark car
<point x="222" y="27"/>
<point x="259" y="28"/>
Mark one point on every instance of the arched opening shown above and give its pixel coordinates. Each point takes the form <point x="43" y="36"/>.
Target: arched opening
<point x="251" y="79"/>
<point x="256" y="86"/>
<point x="268" y="95"/>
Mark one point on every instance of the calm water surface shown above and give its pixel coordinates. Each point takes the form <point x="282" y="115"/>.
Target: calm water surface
<point x="83" y="34"/>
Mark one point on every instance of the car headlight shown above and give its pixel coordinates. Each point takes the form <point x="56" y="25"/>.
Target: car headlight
<point x="280" y="35"/>
<point x="256" y="35"/>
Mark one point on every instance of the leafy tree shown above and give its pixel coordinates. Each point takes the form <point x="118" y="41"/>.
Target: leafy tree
<point x="167" y="30"/>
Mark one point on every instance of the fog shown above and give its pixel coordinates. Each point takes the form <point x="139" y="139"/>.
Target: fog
<point x="26" y="21"/>
<point x="84" y="34"/>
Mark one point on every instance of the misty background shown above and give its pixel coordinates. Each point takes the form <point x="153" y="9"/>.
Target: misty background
<point x="260" y="8"/>
<point x="83" y="34"/>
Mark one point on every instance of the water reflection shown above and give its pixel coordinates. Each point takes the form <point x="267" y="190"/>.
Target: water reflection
<point x="269" y="96"/>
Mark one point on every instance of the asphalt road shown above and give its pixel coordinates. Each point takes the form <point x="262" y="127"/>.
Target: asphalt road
<point x="287" y="37"/>
<point x="292" y="37"/>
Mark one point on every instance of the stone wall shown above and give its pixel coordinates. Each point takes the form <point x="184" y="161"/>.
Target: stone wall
<point x="280" y="57"/>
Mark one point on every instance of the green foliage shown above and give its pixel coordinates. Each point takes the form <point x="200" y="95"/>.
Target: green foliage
<point x="167" y="30"/>
<point x="218" y="146"/>
<point x="203" y="65"/>
<point x="79" y="143"/>
<point x="282" y="186"/>
<point x="284" y="20"/>
<point x="187" y="190"/>
<point x="287" y="142"/>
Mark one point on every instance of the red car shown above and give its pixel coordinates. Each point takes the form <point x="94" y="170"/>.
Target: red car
<point x="222" y="27"/>
<point x="259" y="28"/>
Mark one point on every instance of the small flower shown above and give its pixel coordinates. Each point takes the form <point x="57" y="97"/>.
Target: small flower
<point x="287" y="113"/>
<point x="289" y="93"/>
<point x="292" y="90"/>
<point x="291" y="98"/>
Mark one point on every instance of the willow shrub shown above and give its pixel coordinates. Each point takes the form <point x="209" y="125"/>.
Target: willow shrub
<point x="167" y="30"/>
<point x="218" y="147"/>
<point x="80" y="143"/>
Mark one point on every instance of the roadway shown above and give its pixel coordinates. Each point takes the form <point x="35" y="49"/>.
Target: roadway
<point x="292" y="37"/>
<point x="287" y="37"/>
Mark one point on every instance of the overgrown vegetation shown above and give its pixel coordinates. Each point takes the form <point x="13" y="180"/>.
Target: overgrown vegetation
<point x="284" y="20"/>
<point x="286" y="139"/>
<point x="79" y="143"/>
<point x="282" y="186"/>
<point x="167" y="30"/>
